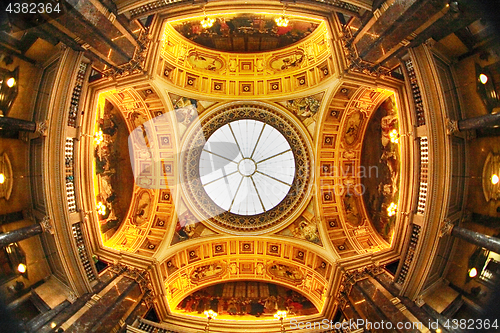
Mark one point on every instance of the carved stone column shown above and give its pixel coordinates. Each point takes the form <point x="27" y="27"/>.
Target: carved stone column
<point x="13" y="124"/>
<point x="20" y="234"/>
<point x="481" y="122"/>
<point x="476" y="238"/>
<point x="17" y="235"/>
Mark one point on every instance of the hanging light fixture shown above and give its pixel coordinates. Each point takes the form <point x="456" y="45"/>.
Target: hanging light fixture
<point x="207" y="22"/>
<point x="282" y="21"/>
<point x="21" y="268"/>
<point x="483" y="78"/>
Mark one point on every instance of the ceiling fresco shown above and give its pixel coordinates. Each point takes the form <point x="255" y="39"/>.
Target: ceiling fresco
<point x="306" y="109"/>
<point x="246" y="300"/>
<point x="113" y="173"/>
<point x="188" y="226"/>
<point x="380" y="156"/>
<point x="242" y="33"/>
<point x="305" y="227"/>
<point x="245" y="75"/>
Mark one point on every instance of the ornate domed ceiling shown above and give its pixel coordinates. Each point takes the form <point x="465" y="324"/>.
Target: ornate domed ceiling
<point x="248" y="166"/>
<point x="270" y="180"/>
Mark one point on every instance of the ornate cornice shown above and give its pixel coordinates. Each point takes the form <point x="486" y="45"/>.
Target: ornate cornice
<point x="351" y="277"/>
<point x="136" y="64"/>
<point x="141" y="276"/>
<point x="354" y="62"/>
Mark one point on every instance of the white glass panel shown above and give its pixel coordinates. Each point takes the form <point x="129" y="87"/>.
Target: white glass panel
<point x="247" y="167"/>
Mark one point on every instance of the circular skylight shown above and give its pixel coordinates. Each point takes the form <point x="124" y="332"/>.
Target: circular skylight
<point x="247" y="167"/>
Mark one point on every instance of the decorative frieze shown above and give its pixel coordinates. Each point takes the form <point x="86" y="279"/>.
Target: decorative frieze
<point x="354" y="62"/>
<point x="75" y="96"/>
<point x="415" y="89"/>
<point x="412" y="247"/>
<point x="424" y="171"/>
<point x="82" y="251"/>
<point x="70" y="174"/>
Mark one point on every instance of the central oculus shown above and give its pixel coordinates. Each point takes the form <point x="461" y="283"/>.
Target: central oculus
<point x="247" y="167"/>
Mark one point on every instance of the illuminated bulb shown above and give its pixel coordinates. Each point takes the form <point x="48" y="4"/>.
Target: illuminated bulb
<point x="2" y="178"/>
<point x="207" y="22"/>
<point x="281" y="21"/>
<point x="21" y="268"/>
<point x="53" y="325"/>
<point x="210" y="314"/>
<point x="98" y="138"/>
<point x="394" y="136"/>
<point x="494" y="179"/>
<point x="391" y="210"/>
<point x="472" y="272"/>
<point x="483" y="78"/>
<point x="11" y="82"/>
<point x="280" y="315"/>
<point x="101" y="208"/>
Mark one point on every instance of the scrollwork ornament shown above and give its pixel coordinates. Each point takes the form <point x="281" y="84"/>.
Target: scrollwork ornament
<point x="419" y="301"/>
<point x="72" y="297"/>
<point x="451" y="126"/>
<point x="149" y="298"/>
<point x="41" y="128"/>
<point x="445" y="228"/>
<point x="47" y="225"/>
<point x="136" y="64"/>
<point x="354" y="61"/>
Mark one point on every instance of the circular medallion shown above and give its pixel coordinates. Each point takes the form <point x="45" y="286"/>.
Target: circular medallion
<point x="246" y="168"/>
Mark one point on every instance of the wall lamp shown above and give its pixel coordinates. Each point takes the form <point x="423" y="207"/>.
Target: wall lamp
<point x="8" y="89"/>
<point x="486" y="89"/>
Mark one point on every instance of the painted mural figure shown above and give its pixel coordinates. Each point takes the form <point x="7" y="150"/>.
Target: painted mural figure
<point x="225" y="300"/>
<point x="186" y="110"/>
<point x="383" y="189"/>
<point x="307" y="230"/>
<point x="304" y="107"/>
<point x="206" y="271"/>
